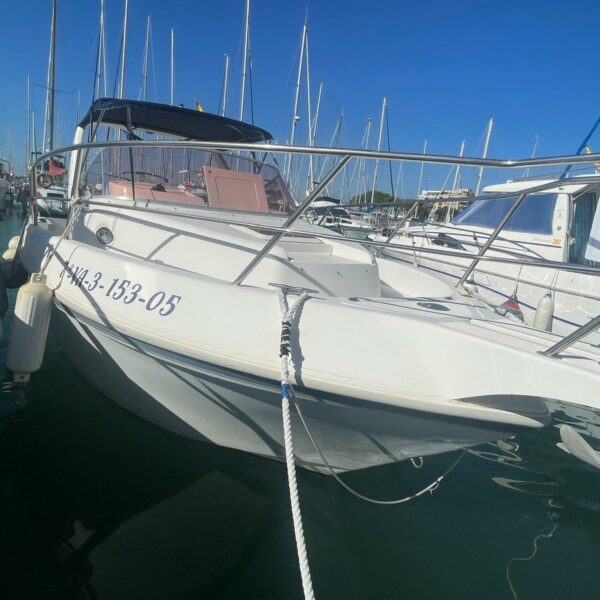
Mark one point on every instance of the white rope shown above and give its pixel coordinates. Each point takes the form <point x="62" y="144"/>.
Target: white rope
<point x="288" y="315"/>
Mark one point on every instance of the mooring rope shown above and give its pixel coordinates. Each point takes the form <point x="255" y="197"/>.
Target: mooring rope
<point x="428" y="488"/>
<point x="288" y="315"/>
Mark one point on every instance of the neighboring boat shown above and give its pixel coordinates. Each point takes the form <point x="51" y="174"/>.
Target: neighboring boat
<point x="51" y="198"/>
<point x="327" y="212"/>
<point x="553" y="225"/>
<point x="157" y="306"/>
<point x="51" y="194"/>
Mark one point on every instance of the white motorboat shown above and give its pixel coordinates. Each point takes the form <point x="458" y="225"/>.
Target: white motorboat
<point x="167" y="298"/>
<point x="330" y="214"/>
<point x="52" y="201"/>
<point x="552" y="224"/>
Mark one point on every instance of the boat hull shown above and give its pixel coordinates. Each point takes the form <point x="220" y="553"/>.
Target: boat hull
<point x="232" y="409"/>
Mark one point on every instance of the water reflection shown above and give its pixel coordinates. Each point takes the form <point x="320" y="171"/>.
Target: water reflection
<point x="99" y="504"/>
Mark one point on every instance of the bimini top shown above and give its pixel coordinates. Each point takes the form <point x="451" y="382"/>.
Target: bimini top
<point x="170" y="120"/>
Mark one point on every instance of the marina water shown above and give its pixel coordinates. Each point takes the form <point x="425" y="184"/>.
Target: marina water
<point x="97" y="503"/>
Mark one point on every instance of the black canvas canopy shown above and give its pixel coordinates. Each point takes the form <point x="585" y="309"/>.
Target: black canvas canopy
<point x="172" y="120"/>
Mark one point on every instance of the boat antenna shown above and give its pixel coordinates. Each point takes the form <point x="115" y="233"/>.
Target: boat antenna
<point x="583" y="144"/>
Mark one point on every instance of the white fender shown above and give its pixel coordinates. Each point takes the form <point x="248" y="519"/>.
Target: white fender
<point x="29" y="328"/>
<point x="543" y="313"/>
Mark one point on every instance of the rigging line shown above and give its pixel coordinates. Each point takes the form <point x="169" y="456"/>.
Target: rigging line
<point x="293" y="63"/>
<point x="55" y="90"/>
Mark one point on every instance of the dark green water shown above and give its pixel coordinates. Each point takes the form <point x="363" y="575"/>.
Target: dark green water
<point x="97" y="504"/>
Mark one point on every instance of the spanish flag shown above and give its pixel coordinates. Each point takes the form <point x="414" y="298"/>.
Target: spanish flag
<point x="199" y="106"/>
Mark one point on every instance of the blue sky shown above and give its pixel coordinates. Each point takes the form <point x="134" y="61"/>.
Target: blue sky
<point x="446" y="67"/>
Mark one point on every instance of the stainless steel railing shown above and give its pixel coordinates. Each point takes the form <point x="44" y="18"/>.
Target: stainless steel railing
<point x="346" y="154"/>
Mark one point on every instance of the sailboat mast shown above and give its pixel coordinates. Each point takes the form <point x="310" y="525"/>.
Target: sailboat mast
<point x="383" y="109"/>
<point x="316" y="120"/>
<point x="311" y="176"/>
<point x="485" y="150"/>
<point x="535" y="145"/>
<point x="225" y="85"/>
<point x="101" y="58"/>
<point x="28" y="142"/>
<point x="145" y="65"/>
<point x="123" y="48"/>
<point x="457" y="174"/>
<point x="361" y="187"/>
<point x="172" y="66"/>
<point x="33" y="136"/>
<point x="10" y="157"/>
<point x="103" y="54"/>
<point x="422" y="168"/>
<point x="316" y="123"/>
<point x="295" y="116"/>
<point x="48" y="140"/>
<point x="245" y="58"/>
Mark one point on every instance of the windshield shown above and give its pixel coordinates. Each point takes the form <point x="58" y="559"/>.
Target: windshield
<point x="534" y="215"/>
<point x="185" y="176"/>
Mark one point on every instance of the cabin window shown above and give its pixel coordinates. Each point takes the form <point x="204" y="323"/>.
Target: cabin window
<point x="535" y="214"/>
<point x="583" y="209"/>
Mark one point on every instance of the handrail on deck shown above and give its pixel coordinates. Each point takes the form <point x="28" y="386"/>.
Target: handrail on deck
<point x="572" y="338"/>
<point x="346" y="154"/>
